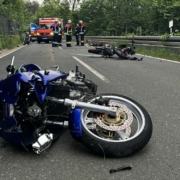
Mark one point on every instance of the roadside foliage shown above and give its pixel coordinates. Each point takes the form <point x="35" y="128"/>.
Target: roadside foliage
<point x="102" y="17"/>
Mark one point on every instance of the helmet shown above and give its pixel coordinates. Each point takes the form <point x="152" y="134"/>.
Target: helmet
<point x="80" y="21"/>
<point x="69" y="21"/>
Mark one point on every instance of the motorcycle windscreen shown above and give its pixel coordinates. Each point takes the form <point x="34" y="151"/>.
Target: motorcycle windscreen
<point x="32" y="67"/>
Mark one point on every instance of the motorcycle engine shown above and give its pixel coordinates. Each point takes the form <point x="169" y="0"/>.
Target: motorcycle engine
<point x="74" y="87"/>
<point x="34" y="111"/>
<point x="31" y="117"/>
<point x="108" y="50"/>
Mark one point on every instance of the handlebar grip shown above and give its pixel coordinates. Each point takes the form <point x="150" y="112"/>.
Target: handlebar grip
<point x="12" y="62"/>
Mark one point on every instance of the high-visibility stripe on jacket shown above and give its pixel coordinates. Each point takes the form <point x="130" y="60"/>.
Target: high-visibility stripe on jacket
<point x="82" y="29"/>
<point x="68" y="29"/>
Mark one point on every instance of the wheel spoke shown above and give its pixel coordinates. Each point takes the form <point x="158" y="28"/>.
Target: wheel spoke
<point x="122" y="134"/>
<point x="89" y="120"/>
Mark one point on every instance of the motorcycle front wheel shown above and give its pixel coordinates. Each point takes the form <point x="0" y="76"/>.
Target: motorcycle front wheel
<point x="118" y="136"/>
<point x="95" y="51"/>
<point x="121" y="54"/>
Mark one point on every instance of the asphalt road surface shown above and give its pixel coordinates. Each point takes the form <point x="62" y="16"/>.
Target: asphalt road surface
<point x="152" y="82"/>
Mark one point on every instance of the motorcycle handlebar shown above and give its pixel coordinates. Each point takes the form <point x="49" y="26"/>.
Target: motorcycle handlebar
<point x="12" y="61"/>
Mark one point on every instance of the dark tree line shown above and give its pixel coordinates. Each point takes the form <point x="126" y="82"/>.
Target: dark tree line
<point x="102" y="17"/>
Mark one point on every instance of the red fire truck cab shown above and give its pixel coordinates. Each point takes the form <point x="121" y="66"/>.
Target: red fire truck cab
<point x="44" y="32"/>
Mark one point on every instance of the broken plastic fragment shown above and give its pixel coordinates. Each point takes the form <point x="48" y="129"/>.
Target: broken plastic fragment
<point x="120" y="169"/>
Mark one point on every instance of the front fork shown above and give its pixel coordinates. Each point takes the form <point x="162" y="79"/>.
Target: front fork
<point x="75" y="125"/>
<point x="83" y="105"/>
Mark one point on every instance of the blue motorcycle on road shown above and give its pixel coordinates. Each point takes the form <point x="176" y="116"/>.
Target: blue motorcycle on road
<point x="36" y="105"/>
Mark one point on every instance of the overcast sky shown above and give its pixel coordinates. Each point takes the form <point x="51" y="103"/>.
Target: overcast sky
<point x="39" y="1"/>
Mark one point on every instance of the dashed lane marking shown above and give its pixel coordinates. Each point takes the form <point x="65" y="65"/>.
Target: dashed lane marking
<point x="92" y="70"/>
<point x="86" y="55"/>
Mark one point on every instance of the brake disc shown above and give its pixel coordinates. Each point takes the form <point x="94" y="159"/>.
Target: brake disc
<point x="121" y="121"/>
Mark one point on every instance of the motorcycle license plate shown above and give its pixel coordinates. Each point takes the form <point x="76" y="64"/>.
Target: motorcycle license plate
<point x="44" y="38"/>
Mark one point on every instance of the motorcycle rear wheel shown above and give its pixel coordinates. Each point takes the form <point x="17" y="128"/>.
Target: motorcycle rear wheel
<point x="117" y="143"/>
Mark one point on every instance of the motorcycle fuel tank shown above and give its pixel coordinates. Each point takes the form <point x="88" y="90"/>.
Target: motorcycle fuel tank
<point x="48" y="76"/>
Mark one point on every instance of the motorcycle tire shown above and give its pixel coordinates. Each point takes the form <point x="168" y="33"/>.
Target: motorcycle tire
<point x="95" y="51"/>
<point x="120" y="53"/>
<point x="110" y="143"/>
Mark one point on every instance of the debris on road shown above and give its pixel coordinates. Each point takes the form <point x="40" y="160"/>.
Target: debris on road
<point x="120" y="169"/>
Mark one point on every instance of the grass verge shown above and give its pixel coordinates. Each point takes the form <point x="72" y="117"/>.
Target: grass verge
<point x="160" y="53"/>
<point x="9" y="41"/>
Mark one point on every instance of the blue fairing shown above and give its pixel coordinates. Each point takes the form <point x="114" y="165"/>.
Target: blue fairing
<point x="47" y="77"/>
<point x="9" y="129"/>
<point x="11" y="132"/>
<point x="75" y="125"/>
<point x="11" y="86"/>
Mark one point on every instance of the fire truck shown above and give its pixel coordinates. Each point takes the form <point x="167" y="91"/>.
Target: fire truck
<point x="44" y="32"/>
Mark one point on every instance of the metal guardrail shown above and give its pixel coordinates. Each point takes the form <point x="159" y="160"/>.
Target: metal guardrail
<point x="171" y="43"/>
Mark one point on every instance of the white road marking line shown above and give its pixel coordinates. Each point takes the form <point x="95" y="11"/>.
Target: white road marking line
<point x="11" y="52"/>
<point x="60" y="48"/>
<point x="92" y="70"/>
<point x="86" y="55"/>
<point x="159" y="58"/>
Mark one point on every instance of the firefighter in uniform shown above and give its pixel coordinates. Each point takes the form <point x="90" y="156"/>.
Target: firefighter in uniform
<point x="77" y="34"/>
<point x="59" y="34"/>
<point x="82" y="31"/>
<point x="68" y="33"/>
<point x="54" y="27"/>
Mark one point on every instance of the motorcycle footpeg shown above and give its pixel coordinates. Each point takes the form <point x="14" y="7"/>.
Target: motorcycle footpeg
<point x="43" y="142"/>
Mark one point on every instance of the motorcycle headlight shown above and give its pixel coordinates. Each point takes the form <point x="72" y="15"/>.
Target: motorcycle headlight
<point x="38" y="34"/>
<point x="52" y="34"/>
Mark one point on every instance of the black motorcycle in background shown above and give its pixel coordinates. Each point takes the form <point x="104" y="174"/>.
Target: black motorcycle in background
<point x="27" y="38"/>
<point x="121" y="51"/>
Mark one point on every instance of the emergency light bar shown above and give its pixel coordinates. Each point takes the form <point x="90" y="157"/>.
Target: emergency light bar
<point x="33" y="28"/>
<point x="46" y="19"/>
